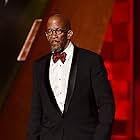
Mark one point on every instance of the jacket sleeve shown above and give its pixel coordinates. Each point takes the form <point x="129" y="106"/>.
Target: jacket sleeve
<point x="36" y="110"/>
<point x="104" y="100"/>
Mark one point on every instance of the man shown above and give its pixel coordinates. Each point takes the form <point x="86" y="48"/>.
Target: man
<point x="72" y="97"/>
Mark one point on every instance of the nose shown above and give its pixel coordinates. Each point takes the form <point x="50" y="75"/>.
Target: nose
<point x="54" y="35"/>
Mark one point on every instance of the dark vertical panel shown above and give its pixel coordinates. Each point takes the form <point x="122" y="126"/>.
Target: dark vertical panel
<point x="16" y="18"/>
<point x="137" y="66"/>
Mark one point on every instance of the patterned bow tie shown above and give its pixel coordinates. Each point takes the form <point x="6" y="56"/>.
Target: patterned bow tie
<point x="57" y="56"/>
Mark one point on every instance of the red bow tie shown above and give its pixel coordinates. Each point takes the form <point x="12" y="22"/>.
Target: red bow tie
<point x="57" y="56"/>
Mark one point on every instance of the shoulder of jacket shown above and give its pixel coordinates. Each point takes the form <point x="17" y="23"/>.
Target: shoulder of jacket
<point x="42" y="59"/>
<point x="89" y="53"/>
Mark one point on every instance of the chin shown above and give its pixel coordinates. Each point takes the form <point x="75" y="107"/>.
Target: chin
<point x="57" y="49"/>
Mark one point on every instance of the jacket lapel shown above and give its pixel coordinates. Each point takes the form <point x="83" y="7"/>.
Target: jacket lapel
<point x="72" y="79"/>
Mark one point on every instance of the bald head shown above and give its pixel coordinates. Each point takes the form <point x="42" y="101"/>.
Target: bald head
<point x="61" y="20"/>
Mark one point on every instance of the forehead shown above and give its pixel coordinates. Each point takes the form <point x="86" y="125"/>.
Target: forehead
<point x="55" y="22"/>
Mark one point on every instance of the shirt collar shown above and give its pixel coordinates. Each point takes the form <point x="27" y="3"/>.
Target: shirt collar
<point x="69" y="48"/>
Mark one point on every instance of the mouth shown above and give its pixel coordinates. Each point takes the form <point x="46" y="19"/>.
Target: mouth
<point x="55" y="42"/>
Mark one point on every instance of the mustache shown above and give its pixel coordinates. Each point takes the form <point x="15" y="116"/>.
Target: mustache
<point x="54" y="41"/>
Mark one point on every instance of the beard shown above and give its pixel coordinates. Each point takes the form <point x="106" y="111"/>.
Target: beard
<point x="57" y="47"/>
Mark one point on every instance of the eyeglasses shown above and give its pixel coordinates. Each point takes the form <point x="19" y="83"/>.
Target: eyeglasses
<point x="57" y="31"/>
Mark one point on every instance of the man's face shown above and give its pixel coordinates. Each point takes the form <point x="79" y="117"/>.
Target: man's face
<point x="57" y="34"/>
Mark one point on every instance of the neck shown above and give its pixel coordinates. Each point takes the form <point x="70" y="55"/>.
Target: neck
<point x="67" y="44"/>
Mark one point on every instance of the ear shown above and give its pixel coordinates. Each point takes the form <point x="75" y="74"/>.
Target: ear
<point x="46" y="36"/>
<point x="69" y="34"/>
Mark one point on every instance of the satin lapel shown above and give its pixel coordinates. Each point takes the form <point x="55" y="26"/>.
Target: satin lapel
<point x="48" y="86"/>
<point x="72" y="79"/>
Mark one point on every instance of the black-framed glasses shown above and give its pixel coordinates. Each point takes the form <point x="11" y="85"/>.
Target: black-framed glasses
<point x="57" y="31"/>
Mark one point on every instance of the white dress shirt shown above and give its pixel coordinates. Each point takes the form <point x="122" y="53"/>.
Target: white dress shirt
<point x="59" y="76"/>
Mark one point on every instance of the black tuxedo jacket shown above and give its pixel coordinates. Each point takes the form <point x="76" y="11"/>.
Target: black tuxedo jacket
<point x="89" y="106"/>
